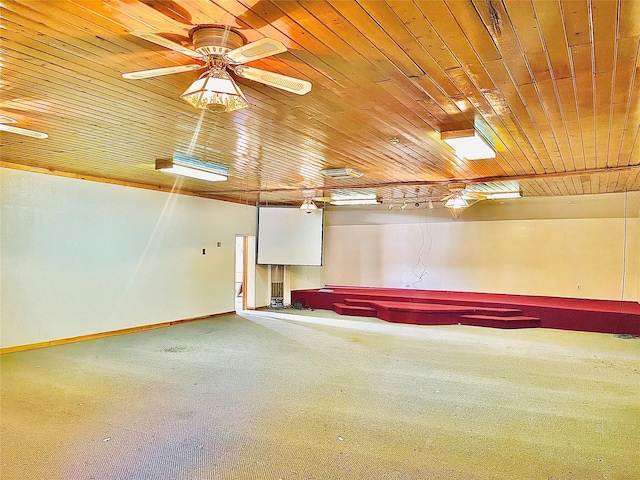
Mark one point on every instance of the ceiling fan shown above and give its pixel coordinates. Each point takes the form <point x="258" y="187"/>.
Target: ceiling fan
<point x="218" y="50"/>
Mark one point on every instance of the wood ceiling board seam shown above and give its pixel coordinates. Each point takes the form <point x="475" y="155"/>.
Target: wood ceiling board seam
<point x="85" y="23"/>
<point x="604" y="17"/>
<point x="630" y="146"/>
<point x="634" y="184"/>
<point x="548" y="91"/>
<point x="344" y="29"/>
<point x="627" y="53"/>
<point x="604" y="95"/>
<point x="207" y="12"/>
<point x="31" y="83"/>
<point x="90" y="77"/>
<point x="513" y="98"/>
<point x="399" y="93"/>
<point x="585" y="93"/>
<point x="363" y="22"/>
<point x="474" y="29"/>
<point x="451" y="164"/>
<point x="305" y="61"/>
<point x="141" y="13"/>
<point x="413" y="19"/>
<point x="522" y="17"/>
<point x="629" y="19"/>
<point x="570" y="117"/>
<point x="281" y="27"/>
<point x="432" y="89"/>
<point x="626" y="101"/>
<point x="577" y="21"/>
<point x="386" y="17"/>
<point x="481" y="104"/>
<point x="550" y="160"/>
<point x="361" y="64"/>
<point x="619" y="121"/>
<point x="554" y="43"/>
<point x="443" y="22"/>
<point x="507" y="43"/>
<point x="622" y="181"/>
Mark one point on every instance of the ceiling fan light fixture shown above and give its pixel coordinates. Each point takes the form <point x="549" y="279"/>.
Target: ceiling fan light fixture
<point x="468" y="144"/>
<point x="215" y="90"/>
<point x="192" y="167"/>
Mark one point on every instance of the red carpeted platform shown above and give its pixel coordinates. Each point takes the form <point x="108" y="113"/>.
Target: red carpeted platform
<point x="430" y="307"/>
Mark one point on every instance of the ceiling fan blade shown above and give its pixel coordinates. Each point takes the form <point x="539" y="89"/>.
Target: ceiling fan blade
<point x="161" y="71"/>
<point x="22" y="131"/>
<point x="265" y="47"/>
<point x="163" y="42"/>
<point x="293" y="85"/>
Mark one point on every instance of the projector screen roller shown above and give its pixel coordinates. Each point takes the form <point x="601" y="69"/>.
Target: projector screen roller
<point x="289" y="236"/>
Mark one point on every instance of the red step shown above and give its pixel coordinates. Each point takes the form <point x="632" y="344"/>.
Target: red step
<point x="498" y="312"/>
<point x="354" y="310"/>
<point x="495" y="321"/>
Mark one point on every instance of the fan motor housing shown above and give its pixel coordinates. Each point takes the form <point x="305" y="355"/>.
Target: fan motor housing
<point x="215" y="40"/>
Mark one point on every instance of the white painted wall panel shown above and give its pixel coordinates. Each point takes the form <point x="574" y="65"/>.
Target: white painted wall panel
<point x="574" y="257"/>
<point x="82" y="257"/>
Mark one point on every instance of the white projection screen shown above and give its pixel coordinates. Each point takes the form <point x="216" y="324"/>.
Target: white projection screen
<point x="289" y="236"/>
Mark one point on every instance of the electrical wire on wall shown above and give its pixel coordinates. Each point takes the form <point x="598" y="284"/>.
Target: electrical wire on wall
<point x="624" y="248"/>
<point x="419" y="270"/>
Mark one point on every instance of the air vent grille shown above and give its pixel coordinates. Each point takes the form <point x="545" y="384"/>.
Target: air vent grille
<point x="342" y="173"/>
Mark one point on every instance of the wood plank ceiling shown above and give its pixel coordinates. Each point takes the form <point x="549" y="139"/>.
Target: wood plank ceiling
<point x="552" y="85"/>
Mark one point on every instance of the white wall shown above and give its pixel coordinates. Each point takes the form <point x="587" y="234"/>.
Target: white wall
<point x="81" y="257"/>
<point x="557" y="246"/>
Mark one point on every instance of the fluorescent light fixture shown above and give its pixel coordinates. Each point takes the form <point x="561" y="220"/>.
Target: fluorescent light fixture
<point x="501" y="195"/>
<point x="354" y="198"/>
<point x="356" y="201"/>
<point x="308" y="206"/>
<point x="346" y="195"/>
<point x="192" y="167"/>
<point x="215" y="90"/>
<point x="22" y="131"/>
<point x="468" y="144"/>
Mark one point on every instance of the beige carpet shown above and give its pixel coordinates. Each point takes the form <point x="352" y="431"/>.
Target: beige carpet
<point x="286" y="396"/>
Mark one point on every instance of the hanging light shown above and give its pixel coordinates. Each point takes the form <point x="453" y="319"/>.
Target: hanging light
<point x="215" y="90"/>
<point x="308" y="206"/>
<point x="456" y="204"/>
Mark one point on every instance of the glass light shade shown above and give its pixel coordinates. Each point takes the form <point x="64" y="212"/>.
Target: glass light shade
<point x="216" y="91"/>
<point x="456" y="205"/>
<point x="468" y="144"/>
<point x="457" y="202"/>
<point x="308" y="206"/>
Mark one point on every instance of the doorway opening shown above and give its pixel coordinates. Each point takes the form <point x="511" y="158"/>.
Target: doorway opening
<point x="240" y="290"/>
